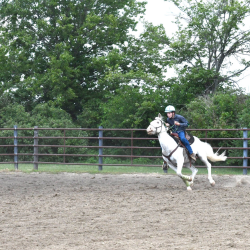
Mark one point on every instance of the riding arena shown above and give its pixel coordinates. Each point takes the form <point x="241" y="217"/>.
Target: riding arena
<point x="130" y="211"/>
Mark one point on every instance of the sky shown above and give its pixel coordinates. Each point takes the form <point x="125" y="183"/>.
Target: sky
<point x="162" y="12"/>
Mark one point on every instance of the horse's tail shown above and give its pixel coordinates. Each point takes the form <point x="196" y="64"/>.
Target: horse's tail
<point x="213" y="157"/>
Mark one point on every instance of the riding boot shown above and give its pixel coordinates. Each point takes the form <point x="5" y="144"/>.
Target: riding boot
<point x="193" y="156"/>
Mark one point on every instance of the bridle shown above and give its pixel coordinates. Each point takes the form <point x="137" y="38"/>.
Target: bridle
<point x="157" y="127"/>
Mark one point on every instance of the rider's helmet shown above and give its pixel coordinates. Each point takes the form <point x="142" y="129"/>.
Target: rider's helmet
<point x="169" y="109"/>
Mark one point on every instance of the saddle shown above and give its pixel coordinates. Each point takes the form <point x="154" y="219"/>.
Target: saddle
<point x="189" y="137"/>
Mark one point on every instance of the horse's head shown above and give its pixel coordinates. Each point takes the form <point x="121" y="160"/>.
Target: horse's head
<point x="156" y="126"/>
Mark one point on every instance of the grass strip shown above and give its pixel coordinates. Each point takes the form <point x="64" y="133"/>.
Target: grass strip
<point x="54" y="168"/>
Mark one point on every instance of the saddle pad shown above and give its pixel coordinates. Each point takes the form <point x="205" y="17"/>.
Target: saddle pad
<point x="189" y="137"/>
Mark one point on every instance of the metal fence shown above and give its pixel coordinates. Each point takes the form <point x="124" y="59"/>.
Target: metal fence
<point x="28" y="145"/>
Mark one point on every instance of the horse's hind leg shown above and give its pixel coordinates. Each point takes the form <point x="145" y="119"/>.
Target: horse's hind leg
<point x="208" y="165"/>
<point x="210" y="178"/>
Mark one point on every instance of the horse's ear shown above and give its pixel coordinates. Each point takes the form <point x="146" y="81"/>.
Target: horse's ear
<point x="160" y="116"/>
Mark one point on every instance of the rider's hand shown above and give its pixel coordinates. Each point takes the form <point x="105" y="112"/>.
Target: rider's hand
<point x="176" y="123"/>
<point x="167" y="124"/>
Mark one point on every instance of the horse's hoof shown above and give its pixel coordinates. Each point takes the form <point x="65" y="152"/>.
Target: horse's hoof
<point x="212" y="183"/>
<point x="189" y="189"/>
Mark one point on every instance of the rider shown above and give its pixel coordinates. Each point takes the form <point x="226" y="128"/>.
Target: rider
<point x="179" y="124"/>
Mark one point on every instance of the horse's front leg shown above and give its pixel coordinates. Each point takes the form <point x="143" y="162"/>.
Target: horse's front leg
<point x="179" y="171"/>
<point x="167" y="164"/>
<point x="187" y="182"/>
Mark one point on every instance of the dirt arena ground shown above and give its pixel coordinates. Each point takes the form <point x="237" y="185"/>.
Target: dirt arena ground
<point x="116" y="212"/>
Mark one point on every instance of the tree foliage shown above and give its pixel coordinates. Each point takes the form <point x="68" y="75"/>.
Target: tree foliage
<point x="130" y="108"/>
<point x="227" y="109"/>
<point x="78" y="57"/>
<point x="137" y="71"/>
<point x="59" y="51"/>
<point x="43" y="116"/>
<point x="211" y="36"/>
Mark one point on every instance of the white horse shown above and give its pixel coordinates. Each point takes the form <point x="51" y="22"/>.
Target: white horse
<point x="177" y="157"/>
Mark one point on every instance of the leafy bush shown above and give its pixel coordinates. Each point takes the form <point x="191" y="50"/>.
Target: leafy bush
<point x="43" y="116"/>
<point x="224" y="110"/>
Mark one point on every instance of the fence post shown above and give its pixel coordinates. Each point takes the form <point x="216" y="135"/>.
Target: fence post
<point x="100" y="148"/>
<point x="35" y="148"/>
<point x="64" y="150"/>
<point x="132" y="144"/>
<point x="245" y="153"/>
<point x="15" y="148"/>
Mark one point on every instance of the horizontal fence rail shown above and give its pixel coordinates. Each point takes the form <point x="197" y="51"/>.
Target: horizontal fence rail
<point x="101" y="147"/>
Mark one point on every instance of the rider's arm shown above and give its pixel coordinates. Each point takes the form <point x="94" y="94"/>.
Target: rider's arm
<point x="182" y="121"/>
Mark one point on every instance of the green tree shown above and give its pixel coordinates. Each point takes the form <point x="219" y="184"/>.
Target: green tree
<point x="59" y="51"/>
<point x="211" y="35"/>
<point x="218" y="111"/>
<point x="138" y="66"/>
<point x="132" y="108"/>
<point x="228" y="109"/>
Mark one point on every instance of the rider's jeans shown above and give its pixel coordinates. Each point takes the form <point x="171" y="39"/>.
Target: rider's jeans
<point x="185" y="141"/>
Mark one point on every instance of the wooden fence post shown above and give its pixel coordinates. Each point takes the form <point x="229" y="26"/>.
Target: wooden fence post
<point x="35" y="148"/>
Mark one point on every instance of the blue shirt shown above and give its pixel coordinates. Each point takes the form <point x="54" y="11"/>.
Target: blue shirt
<point x="178" y="118"/>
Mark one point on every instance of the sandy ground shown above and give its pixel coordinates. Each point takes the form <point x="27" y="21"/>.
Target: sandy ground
<point x="83" y="211"/>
